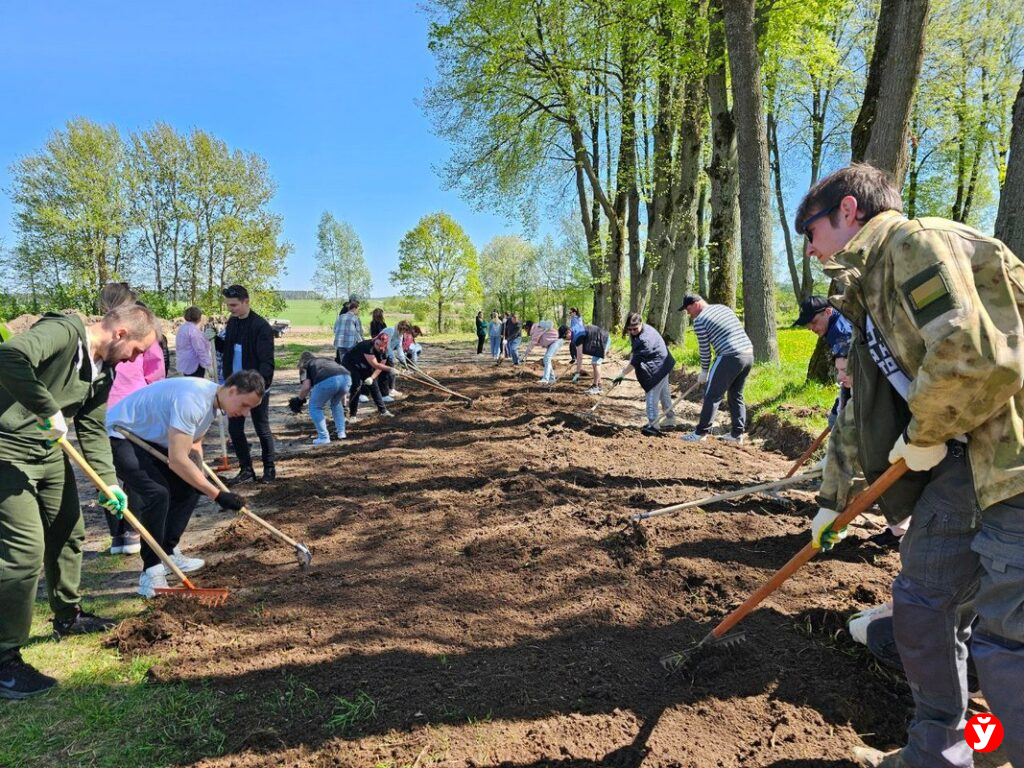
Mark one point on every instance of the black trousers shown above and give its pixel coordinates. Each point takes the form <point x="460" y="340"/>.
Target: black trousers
<point x="198" y="373"/>
<point x="260" y="416"/>
<point x="360" y="386"/>
<point x="165" y="500"/>
<point x="480" y="344"/>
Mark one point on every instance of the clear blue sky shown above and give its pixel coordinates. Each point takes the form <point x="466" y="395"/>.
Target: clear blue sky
<point x="326" y="91"/>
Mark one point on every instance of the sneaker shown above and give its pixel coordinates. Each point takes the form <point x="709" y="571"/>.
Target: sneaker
<point x="185" y="564"/>
<point x="594" y="391"/>
<point x="387" y="414"/>
<point x="388" y="399"/>
<point x="886" y="539"/>
<point x="82" y="623"/>
<point x="354" y="419"/>
<point x="269" y="473"/>
<point x="322" y="441"/>
<point x="19" y="680"/>
<point x="671" y="421"/>
<point x="150" y="579"/>
<point x="117" y="545"/>
<point x="693" y="437"/>
<point x="737" y="439"/>
<point x="342" y="435"/>
<point x="873" y="758"/>
<point x="857" y="625"/>
<point x="364" y="399"/>
<point x="650" y="431"/>
<point x="396" y="393"/>
<point x="131" y="543"/>
<point x="245" y="475"/>
<point x="542" y="380"/>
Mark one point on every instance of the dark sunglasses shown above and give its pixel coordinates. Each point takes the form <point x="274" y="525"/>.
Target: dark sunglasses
<point x="810" y="220"/>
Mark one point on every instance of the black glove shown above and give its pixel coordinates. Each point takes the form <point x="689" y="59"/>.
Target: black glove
<point x="229" y="500"/>
<point x="296" y="404"/>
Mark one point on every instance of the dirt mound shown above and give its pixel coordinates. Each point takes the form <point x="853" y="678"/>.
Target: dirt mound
<point x="141" y="633"/>
<point x="780" y="436"/>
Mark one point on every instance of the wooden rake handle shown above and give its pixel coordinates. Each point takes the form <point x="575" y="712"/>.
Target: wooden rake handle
<point x="133" y="521"/>
<point x="807" y="454"/>
<point x="438" y="387"/>
<point x="681" y="398"/>
<point x="859" y="504"/>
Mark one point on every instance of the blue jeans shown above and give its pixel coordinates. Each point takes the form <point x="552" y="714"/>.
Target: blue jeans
<point x="329" y="391"/>
<point x="513" y="350"/>
<point x="657" y="395"/>
<point x="549" y="371"/>
<point x="495" y="346"/>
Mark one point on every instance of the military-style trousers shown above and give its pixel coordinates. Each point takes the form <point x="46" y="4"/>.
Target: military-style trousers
<point x="954" y="553"/>
<point x="41" y="525"/>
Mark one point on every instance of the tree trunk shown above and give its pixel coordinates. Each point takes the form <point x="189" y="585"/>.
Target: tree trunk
<point x="755" y="194"/>
<point x="702" y="242"/>
<point x="723" y="227"/>
<point x="819" y="367"/>
<point x="880" y="134"/>
<point x="780" y="203"/>
<point x="440" y="310"/>
<point x="1010" y="219"/>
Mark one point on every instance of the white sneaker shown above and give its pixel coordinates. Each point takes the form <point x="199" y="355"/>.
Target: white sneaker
<point x="857" y="625"/>
<point x="730" y="439"/>
<point x="131" y="544"/>
<point x="353" y="419"/>
<point x="150" y="579"/>
<point x="386" y="414"/>
<point x="321" y="441"/>
<point x="388" y="399"/>
<point x="342" y="435"/>
<point x="395" y="393"/>
<point x="542" y="380"/>
<point x="364" y="399"/>
<point x="693" y="437"/>
<point x="671" y="421"/>
<point x="594" y="391"/>
<point x="186" y="564"/>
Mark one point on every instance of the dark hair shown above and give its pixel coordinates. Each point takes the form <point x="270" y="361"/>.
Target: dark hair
<point x="874" y="190"/>
<point x="528" y="326"/>
<point x="344" y="308"/>
<point x="193" y="314"/>
<point x="403" y="327"/>
<point x="236" y="292"/>
<point x="634" y="320"/>
<point x="378" y="315"/>
<point x="114" y="295"/>
<point x="247" y="382"/>
<point x="574" y="311"/>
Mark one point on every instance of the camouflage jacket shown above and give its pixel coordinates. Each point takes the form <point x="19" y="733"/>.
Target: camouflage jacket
<point x="946" y="302"/>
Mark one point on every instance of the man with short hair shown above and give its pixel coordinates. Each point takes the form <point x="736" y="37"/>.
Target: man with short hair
<point x="173" y="415"/>
<point x="717" y="328"/>
<point x="938" y="368"/>
<point x="348" y="328"/>
<point x="248" y="344"/>
<point x="58" y="369"/>
<point x="822" y="319"/>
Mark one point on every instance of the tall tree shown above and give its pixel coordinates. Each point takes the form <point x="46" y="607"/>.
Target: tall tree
<point x="508" y="273"/>
<point x="754" y="194"/>
<point x="1010" y="219"/>
<point x="341" y="269"/>
<point x="437" y="261"/>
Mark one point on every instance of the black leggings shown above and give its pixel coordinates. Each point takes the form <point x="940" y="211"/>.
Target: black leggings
<point x="357" y="388"/>
<point x="165" y="500"/>
<point x="480" y="344"/>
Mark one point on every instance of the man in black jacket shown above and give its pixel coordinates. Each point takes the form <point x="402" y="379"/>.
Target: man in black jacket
<point x="248" y="344"/>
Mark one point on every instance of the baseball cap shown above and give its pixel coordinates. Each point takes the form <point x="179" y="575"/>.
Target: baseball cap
<point x="809" y="308"/>
<point x="690" y="298"/>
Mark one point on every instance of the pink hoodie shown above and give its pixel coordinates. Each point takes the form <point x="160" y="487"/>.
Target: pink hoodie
<point x="131" y="376"/>
<point x="541" y="337"/>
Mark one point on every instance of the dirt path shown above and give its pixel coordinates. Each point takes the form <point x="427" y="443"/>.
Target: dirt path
<point x="479" y="598"/>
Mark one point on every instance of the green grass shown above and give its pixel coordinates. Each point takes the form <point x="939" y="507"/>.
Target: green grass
<point x="311" y="312"/>
<point x="103" y="713"/>
<point x="782" y="389"/>
<point x="348" y="713"/>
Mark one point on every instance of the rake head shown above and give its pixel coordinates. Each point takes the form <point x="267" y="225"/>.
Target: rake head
<point x="211" y="597"/>
<point x="678" y="660"/>
<point x="650" y="431"/>
<point x="303" y="555"/>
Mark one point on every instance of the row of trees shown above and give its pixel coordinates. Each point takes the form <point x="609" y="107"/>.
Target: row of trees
<point x="179" y="215"/>
<point x="665" y="120"/>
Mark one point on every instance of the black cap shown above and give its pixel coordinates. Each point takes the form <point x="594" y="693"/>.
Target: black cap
<point x="809" y="308"/>
<point x="690" y="298"/>
<point x="235" y="292"/>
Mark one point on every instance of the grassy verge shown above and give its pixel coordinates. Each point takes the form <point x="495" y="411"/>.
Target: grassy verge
<point x="103" y="713"/>
<point x="780" y="389"/>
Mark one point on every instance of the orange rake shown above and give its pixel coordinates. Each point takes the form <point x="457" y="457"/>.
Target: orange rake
<point x="213" y="597"/>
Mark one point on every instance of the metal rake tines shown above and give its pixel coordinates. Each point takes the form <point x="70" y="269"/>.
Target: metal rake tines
<point x="677" y="660"/>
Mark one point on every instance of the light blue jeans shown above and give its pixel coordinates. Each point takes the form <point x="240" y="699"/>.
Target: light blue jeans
<point x="658" y="394"/>
<point x="495" y="346"/>
<point x="513" y="350"/>
<point x="331" y="392"/>
<point x="549" y="356"/>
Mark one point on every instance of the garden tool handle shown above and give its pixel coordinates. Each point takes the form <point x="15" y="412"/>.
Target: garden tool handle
<point x="815" y="444"/>
<point x="133" y="521"/>
<point x="860" y="503"/>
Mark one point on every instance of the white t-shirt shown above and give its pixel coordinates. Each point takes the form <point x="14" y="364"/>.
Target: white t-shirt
<point x="183" y="403"/>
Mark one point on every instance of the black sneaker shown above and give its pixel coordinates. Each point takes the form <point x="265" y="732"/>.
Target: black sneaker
<point x="82" y="623"/>
<point x="19" y="680"/>
<point x="269" y="473"/>
<point x="245" y="475"/>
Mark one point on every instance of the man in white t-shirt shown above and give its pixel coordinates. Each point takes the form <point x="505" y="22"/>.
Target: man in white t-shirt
<point x="173" y="415"/>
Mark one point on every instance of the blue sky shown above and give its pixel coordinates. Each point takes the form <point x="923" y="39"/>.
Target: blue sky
<point x="326" y="92"/>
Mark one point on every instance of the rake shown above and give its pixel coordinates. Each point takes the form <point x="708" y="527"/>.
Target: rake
<point x="774" y="485"/>
<point x="212" y="597"/>
<point x="302" y="553"/>
<point x="600" y="397"/>
<point x="807" y="454"/>
<point x="653" y="428"/>
<point x="716" y="640"/>
<point x="439" y="388"/>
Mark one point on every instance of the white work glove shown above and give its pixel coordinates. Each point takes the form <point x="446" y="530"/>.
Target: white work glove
<point x="53" y="427"/>
<point x="822" y="535"/>
<point x="821" y="464"/>
<point x="702" y="378"/>
<point x="919" y="458"/>
<point x="575" y="378"/>
<point x="395" y="372"/>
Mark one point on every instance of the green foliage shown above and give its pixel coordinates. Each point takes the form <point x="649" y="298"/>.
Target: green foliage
<point x="437" y="262"/>
<point x="341" y="269"/>
<point x="348" y="713"/>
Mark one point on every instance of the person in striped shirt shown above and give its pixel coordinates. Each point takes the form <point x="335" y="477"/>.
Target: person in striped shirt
<point x="717" y="328"/>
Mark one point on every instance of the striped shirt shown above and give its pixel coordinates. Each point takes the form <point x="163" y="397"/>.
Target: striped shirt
<point x="718" y="327"/>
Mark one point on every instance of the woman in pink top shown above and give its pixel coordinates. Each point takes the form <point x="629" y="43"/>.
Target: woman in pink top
<point x="191" y="347"/>
<point x="544" y="334"/>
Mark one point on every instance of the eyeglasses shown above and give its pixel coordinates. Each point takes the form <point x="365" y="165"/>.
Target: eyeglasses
<point x="804" y="226"/>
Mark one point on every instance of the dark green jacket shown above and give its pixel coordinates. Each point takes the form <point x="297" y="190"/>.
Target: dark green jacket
<point x="44" y="370"/>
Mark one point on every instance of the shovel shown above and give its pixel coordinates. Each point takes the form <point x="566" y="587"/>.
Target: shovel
<point x="774" y="485"/>
<point x="716" y="639"/>
<point x="302" y="553"/>
<point x="212" y="597"/>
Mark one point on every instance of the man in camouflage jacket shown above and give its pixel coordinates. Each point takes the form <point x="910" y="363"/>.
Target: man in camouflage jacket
<point x="938" y="369"/>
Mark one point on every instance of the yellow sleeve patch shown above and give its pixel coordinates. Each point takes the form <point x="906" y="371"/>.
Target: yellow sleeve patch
<point x="931" y="290"/>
